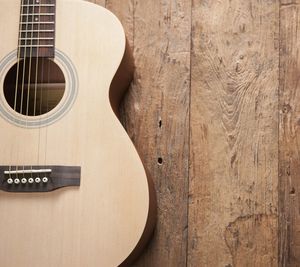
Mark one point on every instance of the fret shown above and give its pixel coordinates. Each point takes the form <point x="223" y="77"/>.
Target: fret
<point x="38" y="31"/>
<point x="37" y="22"/>
<point x="37" y="2"/>
<point x="39" y="14"/>
<point x="36" y="38"/>
<point x="38" y="5"/>
<point x="36" y="46"/>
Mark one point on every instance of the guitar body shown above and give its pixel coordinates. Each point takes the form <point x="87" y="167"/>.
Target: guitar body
<point x="107" y="219"/>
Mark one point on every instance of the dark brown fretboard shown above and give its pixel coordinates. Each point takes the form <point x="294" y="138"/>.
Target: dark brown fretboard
<point x="37" y="28"/>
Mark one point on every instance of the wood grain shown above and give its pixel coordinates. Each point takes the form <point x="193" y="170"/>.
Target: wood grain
<point x="233" y="217"/>
<point x="156" y="114"/>
<point x="234" y="174"/>
<point x="289" y="110"/>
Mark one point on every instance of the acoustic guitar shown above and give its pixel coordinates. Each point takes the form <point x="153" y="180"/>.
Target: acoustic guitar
<point x="74" y="192"/>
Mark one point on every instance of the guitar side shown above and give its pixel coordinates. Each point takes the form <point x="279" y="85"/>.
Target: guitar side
<point x="118" y="88"/>
<point x="108" y="219"/>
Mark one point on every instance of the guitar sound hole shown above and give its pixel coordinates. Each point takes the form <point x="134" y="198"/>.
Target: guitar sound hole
<point x="40" y="86"/>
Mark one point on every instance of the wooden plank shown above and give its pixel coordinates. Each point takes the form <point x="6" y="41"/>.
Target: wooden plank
<point x="234" y="134"/>
<point x="156" y="115"/>
<point x="289" y="159"/>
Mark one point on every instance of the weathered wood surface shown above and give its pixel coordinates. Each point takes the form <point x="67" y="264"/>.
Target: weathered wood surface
<point x="234" y="134"/>
<point x="156" y="114"/>
<point x="289" y="114"/>
<point x="213" y="145"/>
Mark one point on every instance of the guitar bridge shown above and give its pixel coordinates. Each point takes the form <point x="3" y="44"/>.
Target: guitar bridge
<point x="38" y="178"/>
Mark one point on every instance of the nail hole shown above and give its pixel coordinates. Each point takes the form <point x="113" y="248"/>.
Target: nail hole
<point x="159" y="123"/>
<point x="160" y="161"/>
<point x="293" y="191"/>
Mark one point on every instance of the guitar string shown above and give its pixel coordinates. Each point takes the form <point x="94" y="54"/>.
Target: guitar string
<point x="44" y="77"/>
<point x="29" y="69"/>
<point x="36" y="80"/>
<point x="47" y="102"/>
<point x="41" y="109"/>
<point x="23" y="71"/>
<point x="42" y="86"/>
<point x="24" y="65"/>
<point x="17" y="74"/>
<point x="47" y="109"/>
<point x="25" y="47"/>
<point x="30" y="61"/>
<point x="41" y="106"/>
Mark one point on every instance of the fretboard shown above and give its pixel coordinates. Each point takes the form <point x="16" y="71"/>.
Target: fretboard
<point x="37" y="28"/>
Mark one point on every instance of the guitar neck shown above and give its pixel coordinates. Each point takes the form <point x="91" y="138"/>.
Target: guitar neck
<point x="37" y="28"/>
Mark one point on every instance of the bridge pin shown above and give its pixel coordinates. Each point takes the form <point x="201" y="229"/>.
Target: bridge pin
<point x="30" y="180"/>
<point x="45" y="179"/>
<point x="37" y="180"/>
<point x="24" y="180"/>
<point x="17" y="181"/>
<point x="10" y="181"/>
